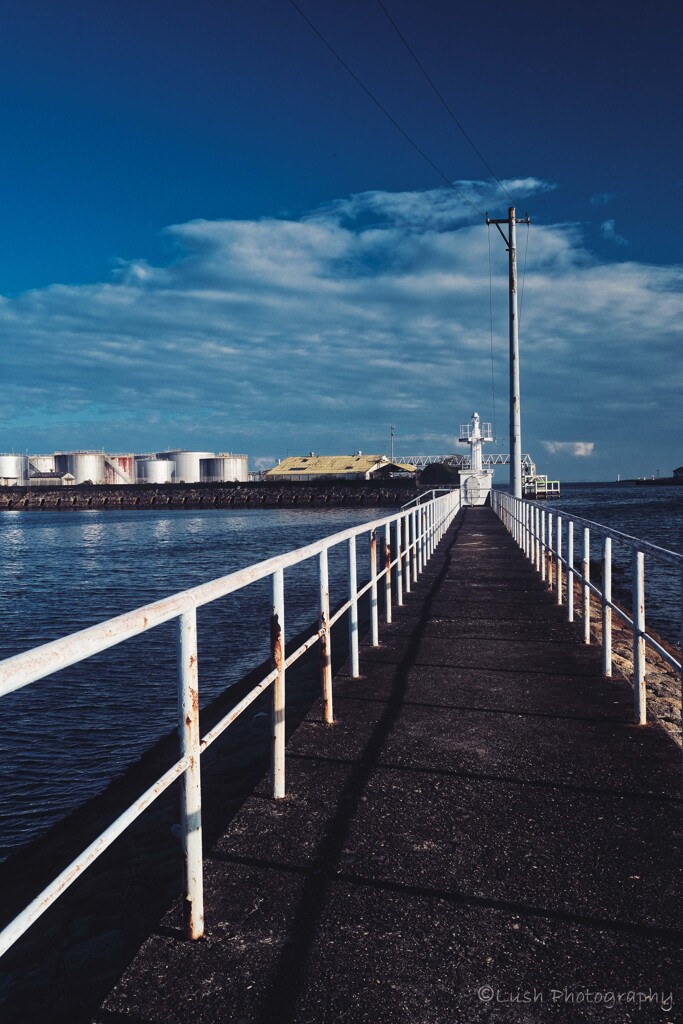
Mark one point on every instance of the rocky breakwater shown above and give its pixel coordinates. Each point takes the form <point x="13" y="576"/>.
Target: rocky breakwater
<point x="193" y="496"/>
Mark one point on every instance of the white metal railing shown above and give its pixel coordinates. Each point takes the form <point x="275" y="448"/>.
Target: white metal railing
<point x="547" y="537"/>
<point x="402" y="543"/>
<point x="426" y="496"/>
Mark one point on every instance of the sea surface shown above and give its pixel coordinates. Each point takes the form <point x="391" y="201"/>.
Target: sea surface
<point x="649" y="512"/>
<point x="64" y="738"/>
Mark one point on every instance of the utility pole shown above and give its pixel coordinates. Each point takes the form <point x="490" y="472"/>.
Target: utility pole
<point x="392" y="428"/>
<point x="515" y="398"/>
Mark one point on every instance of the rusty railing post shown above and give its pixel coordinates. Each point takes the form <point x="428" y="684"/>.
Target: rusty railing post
<point x="639" y="695"/>
<point x="607" y="607"/>
<point x="387" y="573"/>
<point x="277" y="654"/>
<point x="586" y="573"/>
<point x="190" y="793"/>
<point x="570" y="570"/>
<point x="325" y="637"/>
<point x="399" y="564"/>
<point x="374" y="618"/>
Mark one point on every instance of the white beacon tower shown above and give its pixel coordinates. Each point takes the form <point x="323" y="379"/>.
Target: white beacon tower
<point x="475" y="482"/>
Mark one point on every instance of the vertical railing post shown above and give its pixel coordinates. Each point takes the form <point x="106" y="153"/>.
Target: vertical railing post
<point x="543" y="547"/>
<point x="413" y="531"/>
<point x="431" y="528"/>
<point x="387" y="572"/>
<point x="325" y="637"/>
<point x="418" y="535"/>
<point x="425" y="537"/>
<point x="353" y="610"/>
<point x="399" y="563"/>
<point x="570" y="570"/>
<point x="550" y="551"/>
<point x="559" y="560"/>
<point x="374" y="618"/>
<point x="277" y="655"/>
<point x="639" y="697"/>
<point x="534" y="537"/>
<point x="607" y="607"/>
<point x="428" y="533"/>
<point x="190" y="793"/>
<point x="406" y="551"/>
<point x="586" y="573"/>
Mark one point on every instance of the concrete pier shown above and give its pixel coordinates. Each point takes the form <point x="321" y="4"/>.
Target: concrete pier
<point x="483" y="835"/>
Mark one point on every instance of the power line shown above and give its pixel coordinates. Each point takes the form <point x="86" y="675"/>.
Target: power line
<point x="493" y="382"/>
<point x="521" y="298"/>
<point x="386" y="113"/>
<point x="443" y="100"/>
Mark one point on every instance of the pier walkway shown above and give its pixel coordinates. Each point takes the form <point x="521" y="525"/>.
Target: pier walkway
<point x="483" y="835"/>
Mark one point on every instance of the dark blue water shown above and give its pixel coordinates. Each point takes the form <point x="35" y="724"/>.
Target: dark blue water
<point x="62" y="739"/>
<point x="650" y="512"/>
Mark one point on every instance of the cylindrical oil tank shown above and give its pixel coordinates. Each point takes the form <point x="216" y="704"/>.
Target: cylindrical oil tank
<point x="224" y="468"/>
<point x="187" y="464"/>
<point x="42" y="463"/>
<point x="119" y="469"/>
<point x="85" y="467"/>
<point x="154" y="471"/>
<point x="13" y="470"/>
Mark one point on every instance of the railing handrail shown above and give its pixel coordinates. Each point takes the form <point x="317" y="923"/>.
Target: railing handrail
<point x="39" y="662"/>
<point x="539" y="531"/>
<point x="410" y="537"/>
<point x="421" y="499"/>
<point x="664" y="554"/>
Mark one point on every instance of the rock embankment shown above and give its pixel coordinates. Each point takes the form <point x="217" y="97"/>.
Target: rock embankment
<point x="194" y="496"/>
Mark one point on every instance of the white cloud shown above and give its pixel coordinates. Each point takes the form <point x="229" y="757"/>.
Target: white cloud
<point x="315" y="333"/>
<point x="608" y="231"/>
<point x="580" y="449"/>
<point x="602" y="198"/>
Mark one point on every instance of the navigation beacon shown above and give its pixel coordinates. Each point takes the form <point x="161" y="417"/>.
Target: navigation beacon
<point x="476" y="482"/>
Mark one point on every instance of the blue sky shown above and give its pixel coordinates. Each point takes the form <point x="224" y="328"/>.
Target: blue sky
<point x="213" y="239"/>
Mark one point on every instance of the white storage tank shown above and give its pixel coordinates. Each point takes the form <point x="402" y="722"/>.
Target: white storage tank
<point x="224" y="468"/>
<point x="42" y="463"/>
<point x="13" y="470"/>
<point x="120" y="469"/>
<point x="154" y="471"/>
<point x="187" y="464"/>
<point x="85" y="467"/>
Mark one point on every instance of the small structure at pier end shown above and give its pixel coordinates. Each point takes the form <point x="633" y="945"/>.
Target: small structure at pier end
<point x="476" y="482"/>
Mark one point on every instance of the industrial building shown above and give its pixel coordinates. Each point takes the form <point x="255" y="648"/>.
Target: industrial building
<point x="337" y="467"/>
<point x="100" y="468"/>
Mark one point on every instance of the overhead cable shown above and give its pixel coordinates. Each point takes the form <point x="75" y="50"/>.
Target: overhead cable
<point x="493" y="379"/>
<point x="521" y="298"/>
<point x="386" y="113"/>
<point x="443" y="100"/>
